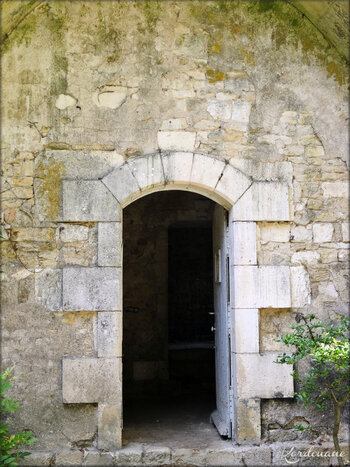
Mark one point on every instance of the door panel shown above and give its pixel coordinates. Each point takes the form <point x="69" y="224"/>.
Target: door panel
<point x="222" y="415"/>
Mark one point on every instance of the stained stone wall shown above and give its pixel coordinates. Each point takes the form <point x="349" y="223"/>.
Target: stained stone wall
<point x="257" y="93"/>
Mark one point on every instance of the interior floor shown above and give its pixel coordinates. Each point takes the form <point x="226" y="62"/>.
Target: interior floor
<point x="174" y="423"/>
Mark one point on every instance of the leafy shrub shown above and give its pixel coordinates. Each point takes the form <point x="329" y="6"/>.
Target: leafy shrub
<point x="326" y="346"/>
<point x="10" y="444"/>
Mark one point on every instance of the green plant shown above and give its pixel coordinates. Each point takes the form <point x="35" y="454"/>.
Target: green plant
<point x="326" y="346"/>
<point x="10" y="444"/>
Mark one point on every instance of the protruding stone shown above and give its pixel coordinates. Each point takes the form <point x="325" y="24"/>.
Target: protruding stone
<point x="261" y="287"/>
<point x="91" y="289"/>
<point x="88" y="380"/>
<point x="263" y="201"/>
<point x="300" y="287"/>
<point x="275" y="380"/>
<point x="89" y="200"/>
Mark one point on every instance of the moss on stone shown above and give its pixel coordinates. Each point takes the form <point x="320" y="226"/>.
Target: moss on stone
<point x="214" y="75"/>
<point x="49" y="190"/>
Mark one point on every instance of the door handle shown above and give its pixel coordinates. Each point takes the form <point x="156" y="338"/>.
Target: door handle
<point x="211" y="313"/>
<point x="212" y="329"/>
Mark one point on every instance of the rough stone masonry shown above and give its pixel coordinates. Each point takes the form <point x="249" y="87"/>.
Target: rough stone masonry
<point x="105" y="102"/>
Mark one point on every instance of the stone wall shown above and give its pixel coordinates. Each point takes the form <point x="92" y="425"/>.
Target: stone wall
<point x="85" y="87"/>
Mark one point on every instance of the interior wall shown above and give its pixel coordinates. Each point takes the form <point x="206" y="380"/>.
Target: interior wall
<point x="146" y="223"/>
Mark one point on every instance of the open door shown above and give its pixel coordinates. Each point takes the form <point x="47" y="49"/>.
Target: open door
<point x="222" y="416"/>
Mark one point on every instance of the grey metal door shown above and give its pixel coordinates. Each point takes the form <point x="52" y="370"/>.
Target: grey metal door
<point x="222" y="416"/>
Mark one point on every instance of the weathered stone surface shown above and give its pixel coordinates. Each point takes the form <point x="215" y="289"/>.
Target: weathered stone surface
<point x="109" y="334"/>
<point x="306" y="257"/>
<point x="322" y="232"/>
<point x="69" y="458"/>
<point x="130" y="455"/>
<point x="38" y="458"/>
<point x="224" y="457"/>
<point x="274" y="382"/>
<point x="206" y="171"/>
<point x="110" y="425"/>
<point x="86" y="380"/>
<point x="93" y="458"/>
<point x="147" y="170"/>
<point x="88" y="200"/>
<point x="246" y="330"/>
<point x="345" y="231"/>
<point x="270" y="283"/>
<point x="109" y="244"/>
<point x="335" y="189"/>
<point x="244" y="243"/>
<point x="248" y="425"/>
<point x="187" y="456"/>
<point x="300" y="287"/>
<point x="177" y="167"/>
<point x="94" y="289"/>
<point x="274" y="232"/>
<point x="174" y="124"/>
<point x="71" y="233"/>
<point x="48" y="289"/>
<point x="176" y="140"/>
<point x="232" y="184"/>
<point x="301" y="234"/>
<point x="263" y="202"/>
<point x="219" y="110"/>
<point x="64" y="100"/>
<point x="122" y="184"/>
<point x="157" y="455"/>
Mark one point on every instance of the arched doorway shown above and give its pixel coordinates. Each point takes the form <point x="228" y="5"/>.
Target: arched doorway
<point x="169" y="377"/>
<point x="251" y="286"/>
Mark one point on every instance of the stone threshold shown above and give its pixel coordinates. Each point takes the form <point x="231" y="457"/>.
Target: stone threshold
<point x="135" y="454"/>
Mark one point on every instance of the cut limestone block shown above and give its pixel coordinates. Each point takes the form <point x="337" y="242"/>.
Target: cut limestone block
<point x="91" y="289"/>
<point x="88" y="380"/>
<point x="88" y="200"/>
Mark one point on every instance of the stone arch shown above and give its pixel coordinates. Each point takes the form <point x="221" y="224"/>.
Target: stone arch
<point x="99" y="288"/>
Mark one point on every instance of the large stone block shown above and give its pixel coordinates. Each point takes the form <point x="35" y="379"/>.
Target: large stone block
<point x="48" y="289"/>
<point x="260" y="287"/>
<point x="232" y="184"/>
<point x="148" y="170"/>
<point x="91" y="289"/>
<point x="274" y="380"/>
<point x="176" y="140"/>
<point x="109" y="246"/>
<point x="243" y="235"/>
<point x="300" y="287"/>
<point x="178" y="166"/>
<point x="88" y="200"/>
<point x="122" y="183"/>
<point x="263" y="201"/>
<point x="110" y="426"/>
<point x="246" y="330"/>
<point x="88" y="380"/>
<point x="109" y="334"/>
<point x="247" y="424"/>
<point x="206" y="171"/>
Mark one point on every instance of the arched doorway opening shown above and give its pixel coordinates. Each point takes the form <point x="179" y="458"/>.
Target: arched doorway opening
<point x="169" y="381"/>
